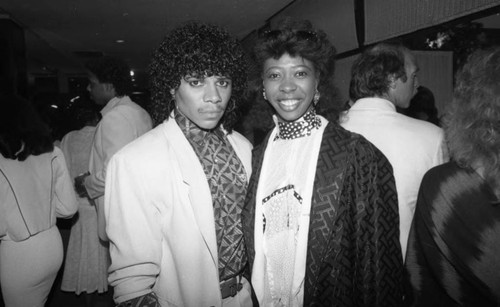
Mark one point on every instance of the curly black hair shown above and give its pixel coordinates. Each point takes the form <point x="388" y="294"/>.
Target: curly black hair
<point x="114" y="71"/>
<point x="22" y="131"/>
<point x="371" y="71"/>
<point x="299" y="38"/>
<point x="197" y="49"/>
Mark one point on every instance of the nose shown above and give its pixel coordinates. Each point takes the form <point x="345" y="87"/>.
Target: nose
<point x="88" y="87"/>
<point x="212" y="93"/>
<point x="287" y="84"/>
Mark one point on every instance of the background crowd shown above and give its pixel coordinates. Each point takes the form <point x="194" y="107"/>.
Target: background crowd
<point x="369" y="203"/>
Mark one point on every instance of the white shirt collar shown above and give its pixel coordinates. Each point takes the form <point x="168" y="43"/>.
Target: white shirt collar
<point x="373" y="103"/>
<point x="113" y="103"/>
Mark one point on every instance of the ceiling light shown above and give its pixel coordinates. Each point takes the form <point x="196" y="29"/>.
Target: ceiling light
<point x="120" y="41"/>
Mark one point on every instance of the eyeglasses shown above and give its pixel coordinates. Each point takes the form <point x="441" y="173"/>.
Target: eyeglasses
<point x="299" y="34"/>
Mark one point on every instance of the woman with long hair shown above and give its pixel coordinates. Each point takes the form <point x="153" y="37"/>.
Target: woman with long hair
<point x="35" y="189"/>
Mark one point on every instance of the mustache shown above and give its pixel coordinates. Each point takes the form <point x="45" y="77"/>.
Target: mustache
<point x="214" y="109"/>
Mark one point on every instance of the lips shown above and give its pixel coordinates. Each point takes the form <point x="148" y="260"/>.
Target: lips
<point x="289" y="102"/>
<point x="211" y="111"/>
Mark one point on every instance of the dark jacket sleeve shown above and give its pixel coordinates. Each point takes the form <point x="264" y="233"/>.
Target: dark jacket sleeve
<point x="371" y="194"/>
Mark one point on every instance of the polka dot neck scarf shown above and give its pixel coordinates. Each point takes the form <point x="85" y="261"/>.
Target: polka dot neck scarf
<point x="299" y="128"/>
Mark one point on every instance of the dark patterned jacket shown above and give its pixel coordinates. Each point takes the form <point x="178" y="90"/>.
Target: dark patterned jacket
<point x="353" y="253"/>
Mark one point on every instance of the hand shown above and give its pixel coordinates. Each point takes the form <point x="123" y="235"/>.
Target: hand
<point x="80" y="185"/>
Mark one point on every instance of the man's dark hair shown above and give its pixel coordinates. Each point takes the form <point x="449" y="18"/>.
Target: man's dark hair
<point x="299" y="38"/>
<point x="372" y="71"/>
<point x="114" y="71"/>
<point x="22" y="132"/>
<point x="197" y="49"/>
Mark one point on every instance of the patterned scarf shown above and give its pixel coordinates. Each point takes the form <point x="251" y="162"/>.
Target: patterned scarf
<point x="299" y="128"/>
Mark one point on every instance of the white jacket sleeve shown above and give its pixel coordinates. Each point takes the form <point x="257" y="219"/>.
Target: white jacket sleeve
<point x="116" y="131"/>
<point x="134" y="230"/>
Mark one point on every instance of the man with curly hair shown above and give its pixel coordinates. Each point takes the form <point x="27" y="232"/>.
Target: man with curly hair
<point x="383" y="78"/>
<point x="122" y="121"/>
<point x="174" y="197"/>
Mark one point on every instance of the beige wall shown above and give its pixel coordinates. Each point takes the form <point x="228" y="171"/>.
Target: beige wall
<point x="390" y="18"/>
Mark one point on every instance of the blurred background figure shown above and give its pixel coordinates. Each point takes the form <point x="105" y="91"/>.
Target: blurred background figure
<point x="87" y="258"/>
<point x="35" y="188"/>
<point x="423" y="106"/>
<point x="122" y="122"/>
<point x="383" y="78"/>
<point x="453" y="247"/>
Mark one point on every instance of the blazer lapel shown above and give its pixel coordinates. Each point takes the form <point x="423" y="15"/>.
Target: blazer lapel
<point x="248" y="212"/>
<point x="198" y="190"/>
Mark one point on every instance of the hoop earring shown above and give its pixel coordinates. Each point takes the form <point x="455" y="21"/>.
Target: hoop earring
<point x="264" y="93"/>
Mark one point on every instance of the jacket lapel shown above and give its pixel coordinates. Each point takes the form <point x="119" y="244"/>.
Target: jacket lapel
<point x="248" y="212"/>
<point x="195" y="180"/>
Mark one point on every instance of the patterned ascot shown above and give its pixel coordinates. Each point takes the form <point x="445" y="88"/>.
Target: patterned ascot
<point x="227" y="180"/>
<point x="299" y="128"/>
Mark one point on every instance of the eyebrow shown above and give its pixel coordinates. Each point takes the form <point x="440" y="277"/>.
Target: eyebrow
<point x="205" y="76"/>
<point x="294" y="67"/>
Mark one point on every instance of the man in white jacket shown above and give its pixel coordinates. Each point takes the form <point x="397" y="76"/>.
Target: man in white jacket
<point x="174" y="196"/>
<point x="122" y="122"/>
<point x="383" y="78"/>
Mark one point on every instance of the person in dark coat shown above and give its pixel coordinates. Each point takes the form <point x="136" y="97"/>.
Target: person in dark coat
<point x="321" y="216"/>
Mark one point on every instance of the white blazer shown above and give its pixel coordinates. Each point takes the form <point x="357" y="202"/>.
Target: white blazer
<point x="412" y="147"/>
<point x="160" y="220"/>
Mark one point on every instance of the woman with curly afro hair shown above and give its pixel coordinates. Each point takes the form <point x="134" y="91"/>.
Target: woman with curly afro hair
<point x="452" y="257"/>
<point x="176" y="194"/>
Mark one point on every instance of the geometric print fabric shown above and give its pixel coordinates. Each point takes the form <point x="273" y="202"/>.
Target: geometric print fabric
<point x="365" y="233"/>
<point x="353" y="254"/>
<point x="227" y="180"/>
